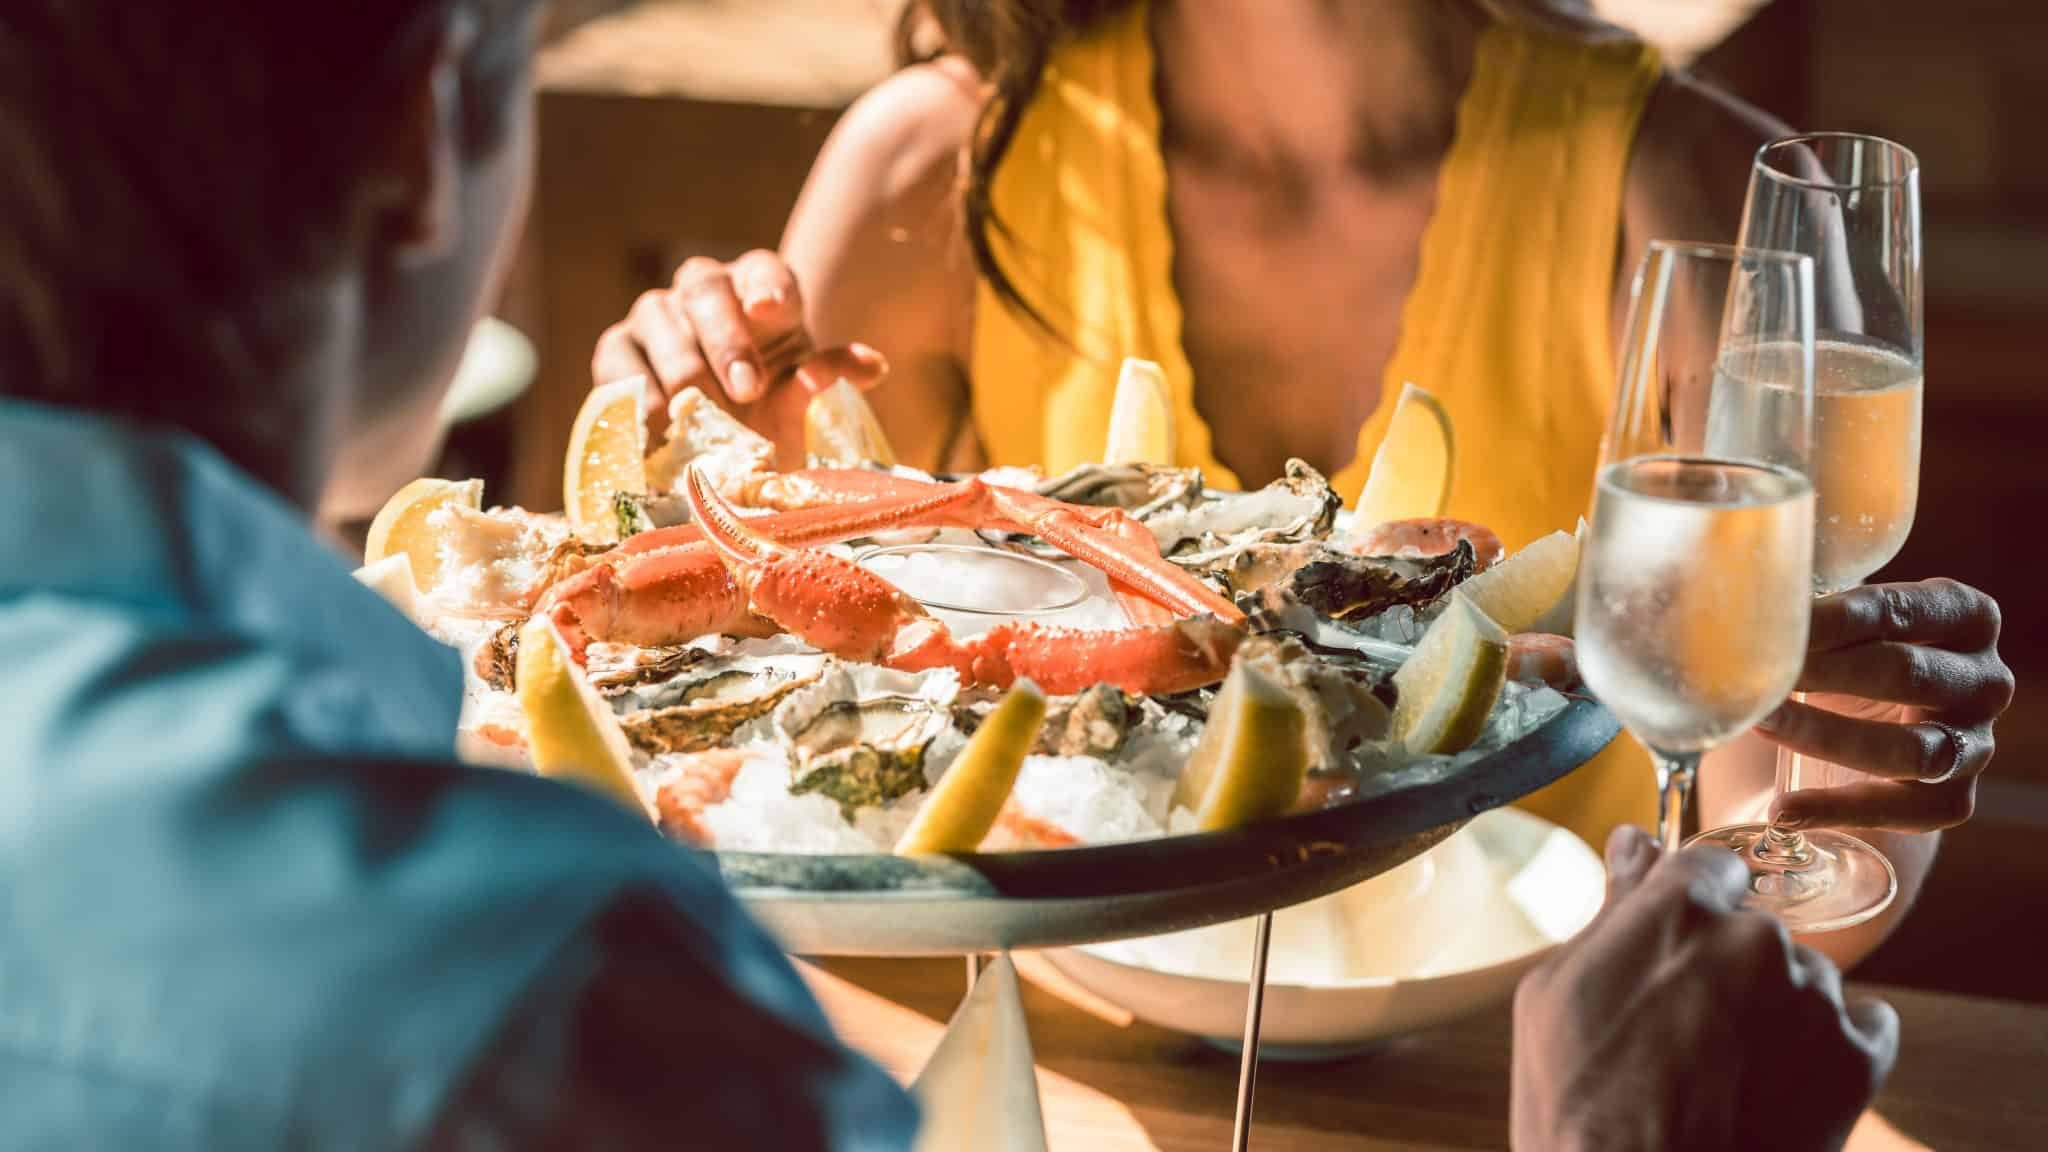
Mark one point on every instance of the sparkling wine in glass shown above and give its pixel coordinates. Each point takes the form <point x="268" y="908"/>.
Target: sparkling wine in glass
<point x="1692" y="602"/>
<point x="1851" y="203"/>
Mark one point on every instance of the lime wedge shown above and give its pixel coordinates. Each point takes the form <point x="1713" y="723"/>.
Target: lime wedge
<point x="1141" y="417"/>
<point x="1411" y="472"/>
<point x="968" y="798"/>
<point x="1253" y="754"/>
<point x="1449" y="684"/>
<point x="570" y="731"/>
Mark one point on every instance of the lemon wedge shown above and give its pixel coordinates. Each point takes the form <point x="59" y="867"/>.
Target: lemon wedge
<point x="1532" y="590"/>
<point x="1253" y="754"/>
<point x="570" y="731"/>
<point x="969" y="797"/>
<point x="1411" y="472"/>
<point x="842" y="431"/>
<point x="391" y="578"/>
<point x="1141" y="417"/>
<point x="607" y="455"/>
<point x="401" y="525"/>
<point x="1449" y="684"/>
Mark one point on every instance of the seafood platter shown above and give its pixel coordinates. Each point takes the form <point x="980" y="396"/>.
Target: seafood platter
<point x="913" y="714"/>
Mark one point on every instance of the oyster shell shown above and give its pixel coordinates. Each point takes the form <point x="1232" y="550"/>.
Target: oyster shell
<point x="1143" y="490"/>
<point x="497" y="659"/>
<point x="711" y="699"/>
<point x="863" y="735"/>
<point x="629" y="669"/>
<point x="1340" y="586"/>
<point x="1207" y="537"/>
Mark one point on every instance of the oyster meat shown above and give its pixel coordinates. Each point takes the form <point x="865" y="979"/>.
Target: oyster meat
<point x="1340" y="586"/>
<point x="864" y="735"/>
<point x="707" y="700"/>
<point x="1210" y="537"/>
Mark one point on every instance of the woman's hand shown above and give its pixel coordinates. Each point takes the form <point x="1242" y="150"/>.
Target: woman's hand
<point x="1910" y="683"/>
<point x="1680" y="1020"/>
<point x="737" y="333"/>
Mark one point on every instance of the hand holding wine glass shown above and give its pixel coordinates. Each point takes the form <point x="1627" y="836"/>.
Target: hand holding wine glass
<point x="1922" y="657"/>
<point x="1907" y="683"/>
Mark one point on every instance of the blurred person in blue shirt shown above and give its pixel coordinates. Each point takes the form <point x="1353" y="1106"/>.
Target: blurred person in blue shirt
<point x="248" y="897"/>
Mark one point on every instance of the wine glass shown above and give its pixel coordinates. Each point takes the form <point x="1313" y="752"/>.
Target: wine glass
<point x="1852" y="203"/>
<point x="1692" y="599"/>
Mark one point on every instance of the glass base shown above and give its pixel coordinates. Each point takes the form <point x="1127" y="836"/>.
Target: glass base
<point x="1830" y="882"/>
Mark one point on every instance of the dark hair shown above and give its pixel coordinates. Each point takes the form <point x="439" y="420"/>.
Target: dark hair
<point x="1008" y="42"/>
<point x="176" y="179"/>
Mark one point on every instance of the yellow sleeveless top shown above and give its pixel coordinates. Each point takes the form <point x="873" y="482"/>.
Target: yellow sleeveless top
<point x="1509" y="322"/>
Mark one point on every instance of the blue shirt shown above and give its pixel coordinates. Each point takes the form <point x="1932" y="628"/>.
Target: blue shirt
<point x="248" y="899"/>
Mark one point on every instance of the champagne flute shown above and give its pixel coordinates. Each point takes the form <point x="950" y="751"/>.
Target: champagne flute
<point x="1852" y="203"/>
<point x="1692" y="599"/>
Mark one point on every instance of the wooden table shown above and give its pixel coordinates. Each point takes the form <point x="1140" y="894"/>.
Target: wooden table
<point x="1973" y="1072"/>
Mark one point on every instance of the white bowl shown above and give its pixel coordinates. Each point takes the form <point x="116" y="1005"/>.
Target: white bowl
<point x="1444" y="937"/>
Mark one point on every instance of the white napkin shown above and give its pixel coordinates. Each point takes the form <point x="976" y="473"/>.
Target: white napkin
<point x="979" y="1091"/>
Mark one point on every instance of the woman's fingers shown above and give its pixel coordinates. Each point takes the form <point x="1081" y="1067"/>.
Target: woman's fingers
<point x="768" y="295"/>
<point x="666" y="340"/>
<point x="1940" y="612"/>
<point x="1917" y="751"/>
<point x="1887" y="805"/>
<point x="723" y="337"/>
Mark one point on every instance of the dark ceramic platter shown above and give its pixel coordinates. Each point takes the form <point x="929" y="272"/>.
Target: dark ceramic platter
<point x="881" y="905"/>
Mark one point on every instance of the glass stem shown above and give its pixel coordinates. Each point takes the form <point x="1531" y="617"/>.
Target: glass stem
<point x="1674" y="787"/>
<point x="1785" y="847"/>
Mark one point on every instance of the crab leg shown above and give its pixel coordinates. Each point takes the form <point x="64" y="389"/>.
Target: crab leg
<point x="844" y="609"/>
<point x="1107" y="539"/>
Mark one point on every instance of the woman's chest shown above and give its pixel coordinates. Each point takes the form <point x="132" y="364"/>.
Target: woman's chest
<point x="1291" y="305"/>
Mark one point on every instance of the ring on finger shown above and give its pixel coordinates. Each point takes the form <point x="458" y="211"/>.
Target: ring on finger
<point x="1958" y="751"/>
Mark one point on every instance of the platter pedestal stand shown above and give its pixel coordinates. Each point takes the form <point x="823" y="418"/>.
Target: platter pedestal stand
<point x="1254" y="1003"/>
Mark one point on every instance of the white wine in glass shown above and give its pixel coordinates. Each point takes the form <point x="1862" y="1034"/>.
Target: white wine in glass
<point x="1865" y="466"/>
<point x="1693" y="593"/>
<point x="1852" y="204"/>
<point x="1692" y="614"/>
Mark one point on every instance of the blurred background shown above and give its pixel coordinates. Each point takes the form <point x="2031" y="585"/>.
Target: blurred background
<point x="753" y="86"/>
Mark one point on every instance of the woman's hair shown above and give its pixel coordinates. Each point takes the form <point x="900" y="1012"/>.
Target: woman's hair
<point x="177" y="181"/>
<point x="1008" y="42"/>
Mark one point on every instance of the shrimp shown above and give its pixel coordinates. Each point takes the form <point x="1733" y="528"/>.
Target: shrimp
<point x="701" y="781"/>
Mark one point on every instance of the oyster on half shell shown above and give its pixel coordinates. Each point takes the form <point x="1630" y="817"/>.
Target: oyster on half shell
<point x="1340" y="586"/>
<point x="1212" y="537"/>
<point x="864" y="735"/>
<point x="1096" y="722"/>
<point x="709" y="699"/>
